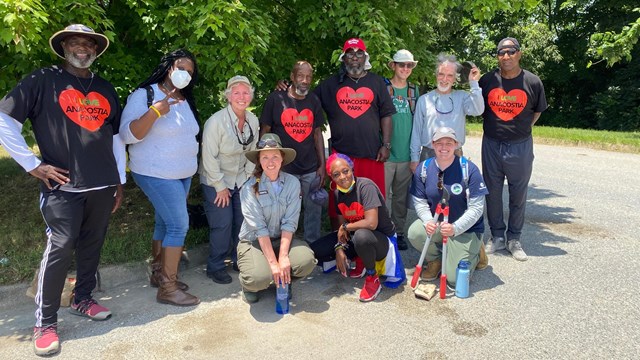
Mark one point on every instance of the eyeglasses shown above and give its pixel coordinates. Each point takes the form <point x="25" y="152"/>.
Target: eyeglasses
<point x="408" y="65"/>
<point x="511" y="52"/>
<point x="345" y="172"/>
<point x="355" y="54"/>
<point x="443" y="112"/>
<point x="440" y="180"/>
<point x="267" y="143"/>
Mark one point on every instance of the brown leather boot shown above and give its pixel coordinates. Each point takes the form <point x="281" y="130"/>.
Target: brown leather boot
<point x="156" y="267"/>
<point x="483" y="260"/>
<point x="169" y="292"/>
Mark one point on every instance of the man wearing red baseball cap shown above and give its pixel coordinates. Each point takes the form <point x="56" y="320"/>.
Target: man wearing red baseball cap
<point x="359" y="110"/>
<point x="75" y="116"/>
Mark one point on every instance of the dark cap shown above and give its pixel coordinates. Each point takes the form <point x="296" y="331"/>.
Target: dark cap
<point x="515" y="45"/>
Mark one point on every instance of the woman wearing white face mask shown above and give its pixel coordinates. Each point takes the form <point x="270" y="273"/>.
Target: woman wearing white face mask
<point x="160" y="122"/>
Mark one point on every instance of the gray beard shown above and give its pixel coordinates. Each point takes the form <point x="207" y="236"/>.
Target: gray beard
<point x="80" y="64"/>
<point x="355" y="71"/>
<point x="301" y="93"/>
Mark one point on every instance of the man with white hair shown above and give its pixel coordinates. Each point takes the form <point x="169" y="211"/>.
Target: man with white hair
<point x="444" y="107"/>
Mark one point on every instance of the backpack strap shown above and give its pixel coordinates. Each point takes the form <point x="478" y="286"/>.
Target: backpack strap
<point x="149" y="95"/>
<point x="389" y="87"/>
<point x="423" y="170"/>
<point x="412" y="97"/>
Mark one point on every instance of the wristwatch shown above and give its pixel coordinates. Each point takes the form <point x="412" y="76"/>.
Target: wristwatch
<point x="387" y="145"/>
<point x="344" y="226"/>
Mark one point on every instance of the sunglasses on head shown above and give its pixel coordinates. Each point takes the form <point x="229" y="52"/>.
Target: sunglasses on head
<point x="267" y="143"/>
<point x="408" y="65"/>
<point x="511" y="52"/>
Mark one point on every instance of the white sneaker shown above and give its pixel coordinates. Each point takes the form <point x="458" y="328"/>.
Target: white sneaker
<point x="515" y="248"/>
<point x="495" y="244"/>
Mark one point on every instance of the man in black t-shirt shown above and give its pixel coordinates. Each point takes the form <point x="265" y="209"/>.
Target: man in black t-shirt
<point x="75" y="115"/>
<point x="359" y="110"/>
<point x="514" y="99"/>
<point x="296" y="117"/>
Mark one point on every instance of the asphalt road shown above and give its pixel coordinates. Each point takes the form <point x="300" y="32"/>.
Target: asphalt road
<point x="576" y="297"/>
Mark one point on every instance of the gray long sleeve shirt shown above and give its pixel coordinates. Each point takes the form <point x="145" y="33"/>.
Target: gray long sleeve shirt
<point x="269" y="212"/>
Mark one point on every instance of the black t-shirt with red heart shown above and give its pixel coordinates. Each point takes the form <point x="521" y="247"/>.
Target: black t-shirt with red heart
<point x="509" y="104"/>
<point x="74" y="130"/>
<point x="354" y="110"/>
<point x="365" y="197"/>
<point x="294" y="121"/>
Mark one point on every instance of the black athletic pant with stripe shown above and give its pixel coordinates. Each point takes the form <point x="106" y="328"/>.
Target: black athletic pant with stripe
<point x="75" y="221"/>
<point x="513" y="161"/>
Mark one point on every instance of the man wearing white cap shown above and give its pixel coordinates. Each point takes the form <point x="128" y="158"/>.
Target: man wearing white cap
<point x="396" y="170"/>
<point x="75" y="115"/>
<point x="359" y="111"/>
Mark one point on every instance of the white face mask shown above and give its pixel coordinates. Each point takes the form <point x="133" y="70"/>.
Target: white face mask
<point x="180" y="78"/>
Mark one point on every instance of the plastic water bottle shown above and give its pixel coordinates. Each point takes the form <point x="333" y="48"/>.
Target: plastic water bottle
<point x="282" y="299"/>
<point x="462" y="279"/>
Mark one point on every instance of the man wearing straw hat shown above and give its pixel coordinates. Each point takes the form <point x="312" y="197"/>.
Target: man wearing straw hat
<point x="75" y="115"/>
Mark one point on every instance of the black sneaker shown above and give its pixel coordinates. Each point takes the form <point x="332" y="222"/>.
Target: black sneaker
<point x="220" y="277"/>
<point x="402" y="245"/>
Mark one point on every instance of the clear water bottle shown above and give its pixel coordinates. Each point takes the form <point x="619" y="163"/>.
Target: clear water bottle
<point x="462" y="279"/>
<point x="282" y="299"/>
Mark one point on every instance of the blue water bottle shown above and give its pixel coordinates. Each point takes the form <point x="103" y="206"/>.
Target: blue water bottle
<point x="282" y="299"/>
<point x="462" y="279"/>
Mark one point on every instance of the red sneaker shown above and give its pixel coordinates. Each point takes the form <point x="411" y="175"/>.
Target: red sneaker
<point x="359" y="270"/>
<point x="45" y="340"/>
<point x="91" y="309"/>
<point x="371" y="288"/>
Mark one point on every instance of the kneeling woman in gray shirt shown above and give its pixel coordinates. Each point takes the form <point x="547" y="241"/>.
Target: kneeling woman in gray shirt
<point x="271" y="203"/>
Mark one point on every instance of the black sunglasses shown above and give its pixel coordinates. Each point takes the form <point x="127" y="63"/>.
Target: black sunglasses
<point x="440" y="180"/>
<point x="511" y="52"/>
<point x="248" y="141"/>
<point x="267" y="143"/>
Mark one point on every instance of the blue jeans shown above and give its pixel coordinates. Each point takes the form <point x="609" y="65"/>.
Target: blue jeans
<point x="312" y="211"/>
<point x="224" y="227"/>
<point x="169" y="200"/>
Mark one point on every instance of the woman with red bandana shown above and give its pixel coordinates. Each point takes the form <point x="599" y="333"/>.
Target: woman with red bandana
<point x="367" y="233"/>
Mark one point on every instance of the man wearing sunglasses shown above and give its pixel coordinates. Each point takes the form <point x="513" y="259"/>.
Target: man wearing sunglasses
<point x="359" y="110"/>
<point x="514" y="99"/>
<point x="75" y="116"/>
<point x="396" y="170"/>
<point x="444" y="106"/>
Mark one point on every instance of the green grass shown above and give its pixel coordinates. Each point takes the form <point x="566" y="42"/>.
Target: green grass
<point x="602" y="140"/>
<point x="22" y="237"/>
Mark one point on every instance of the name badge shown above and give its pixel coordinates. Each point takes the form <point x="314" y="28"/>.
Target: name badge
<point x="263" y="192"/>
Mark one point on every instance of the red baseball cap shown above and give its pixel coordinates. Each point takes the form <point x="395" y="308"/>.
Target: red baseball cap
<point x="354" y="43"/>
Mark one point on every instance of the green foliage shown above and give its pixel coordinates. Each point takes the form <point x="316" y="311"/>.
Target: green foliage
<point x="615" y="46"/>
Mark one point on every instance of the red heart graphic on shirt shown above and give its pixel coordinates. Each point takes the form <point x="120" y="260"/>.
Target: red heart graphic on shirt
<point x="352" y="213"/>
<point x="507" y="106"/>
<point x="298" y="125"/>
<point x="354" y="102"/>
<point x="89" y="111"/>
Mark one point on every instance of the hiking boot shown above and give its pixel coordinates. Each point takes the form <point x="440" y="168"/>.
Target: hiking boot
<point x="91" y="309"/>
<point x="494" y="244"/>
<point x="156" y="267"/>
<point x="483" y="260"/>
<point x="359" y="270"/>
<point x="432" y="270"/>
<point x="45" y="340"/>
<point x="220" y="277"/>
<point x="371" y="288"/>
<point x="515" y="248"/>
<point x="251" y="297"/>
<point x="402" y="245"/>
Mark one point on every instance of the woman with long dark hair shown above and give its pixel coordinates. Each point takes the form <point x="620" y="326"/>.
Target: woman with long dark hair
<point x="160" y="124"/>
